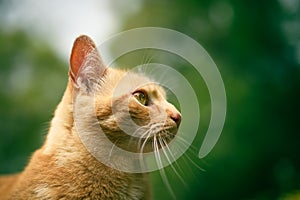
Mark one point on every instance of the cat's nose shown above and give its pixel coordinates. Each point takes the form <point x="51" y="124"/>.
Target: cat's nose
<point x="176" y="117"/>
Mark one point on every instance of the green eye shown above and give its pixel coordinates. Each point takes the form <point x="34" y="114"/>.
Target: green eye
<point x="141" y="97"/>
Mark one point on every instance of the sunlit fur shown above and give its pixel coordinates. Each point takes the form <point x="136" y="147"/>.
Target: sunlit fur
<point x="63" y="168"/>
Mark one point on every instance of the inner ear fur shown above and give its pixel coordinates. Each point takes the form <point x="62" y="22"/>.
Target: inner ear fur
<point x="86" y="65"/>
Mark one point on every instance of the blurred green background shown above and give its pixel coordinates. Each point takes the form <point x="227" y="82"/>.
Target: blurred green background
<point x="256" y="46"/>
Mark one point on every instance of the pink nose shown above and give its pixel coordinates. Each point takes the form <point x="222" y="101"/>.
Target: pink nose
<point x="176" y="117"/>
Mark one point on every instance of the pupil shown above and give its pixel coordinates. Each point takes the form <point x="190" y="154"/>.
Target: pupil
<point x="142" y="97"/>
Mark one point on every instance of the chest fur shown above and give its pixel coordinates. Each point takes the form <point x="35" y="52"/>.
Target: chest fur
<point x="81" y="179"/>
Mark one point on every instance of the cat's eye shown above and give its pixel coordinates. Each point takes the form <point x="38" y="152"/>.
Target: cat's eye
<point x="141" y="97"/>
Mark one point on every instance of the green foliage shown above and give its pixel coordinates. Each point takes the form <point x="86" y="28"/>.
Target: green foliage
<point x="32" y="82"/>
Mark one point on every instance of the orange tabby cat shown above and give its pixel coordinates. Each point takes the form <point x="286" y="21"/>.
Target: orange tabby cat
<point x="64" y="168"/>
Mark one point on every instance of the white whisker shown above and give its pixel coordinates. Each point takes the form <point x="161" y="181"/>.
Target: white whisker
<point x="191" y="147"/>
<point x="183" y="142"/>
<point x="141" y="159"/>
<point x="137" y="130"/>
<point x="156" y="126"/>
<point x="142" y="137"/>
<point x="162" y="142"/>
<point x="136" y="135"/>
<point x="167" y="146"/>
<point x="161" y="170"/>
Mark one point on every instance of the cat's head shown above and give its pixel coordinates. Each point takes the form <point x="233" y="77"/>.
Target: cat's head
<point x="130" y="109"/>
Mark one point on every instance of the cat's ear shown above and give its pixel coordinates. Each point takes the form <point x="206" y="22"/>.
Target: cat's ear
<point x="86" y="65"/>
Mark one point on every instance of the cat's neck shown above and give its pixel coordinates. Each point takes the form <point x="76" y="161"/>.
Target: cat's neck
<point x="62" y="140"/>
<point x="62" y="122"/>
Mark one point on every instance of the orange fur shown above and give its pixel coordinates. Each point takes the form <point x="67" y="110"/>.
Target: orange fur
<point x="63" y="168"/>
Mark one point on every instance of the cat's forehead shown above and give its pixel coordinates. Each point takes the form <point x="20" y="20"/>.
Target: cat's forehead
<point x="129" y="82"/>
<point x="154" y="89"/>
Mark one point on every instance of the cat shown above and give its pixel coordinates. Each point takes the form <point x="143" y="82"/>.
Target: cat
<point x="64" y="168"/>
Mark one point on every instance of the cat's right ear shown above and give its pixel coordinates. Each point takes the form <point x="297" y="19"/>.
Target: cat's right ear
<point x="86" y="65"/>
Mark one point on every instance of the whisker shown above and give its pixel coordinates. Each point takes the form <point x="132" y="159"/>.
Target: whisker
<point x="178" y="166"/>
<point x="162" y="142"/>
<point x="148" y="59"/>
<point x="142" y="137"/>
<point x="156" y="125"/>
<point x="141" y="158"/>
<point x="137" y="130"/>
<point x="191" y="147"/>
<point x="188" y="157"/>
<point x="162" y="171"/>
<point x="136" y="134"/>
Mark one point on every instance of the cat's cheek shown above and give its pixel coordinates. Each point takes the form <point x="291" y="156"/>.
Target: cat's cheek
<point x="139" y="114"/>
<point x="103" y="108"/>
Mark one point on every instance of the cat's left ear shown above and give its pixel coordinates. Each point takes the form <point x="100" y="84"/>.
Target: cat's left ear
<point x="86" y="65"/>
